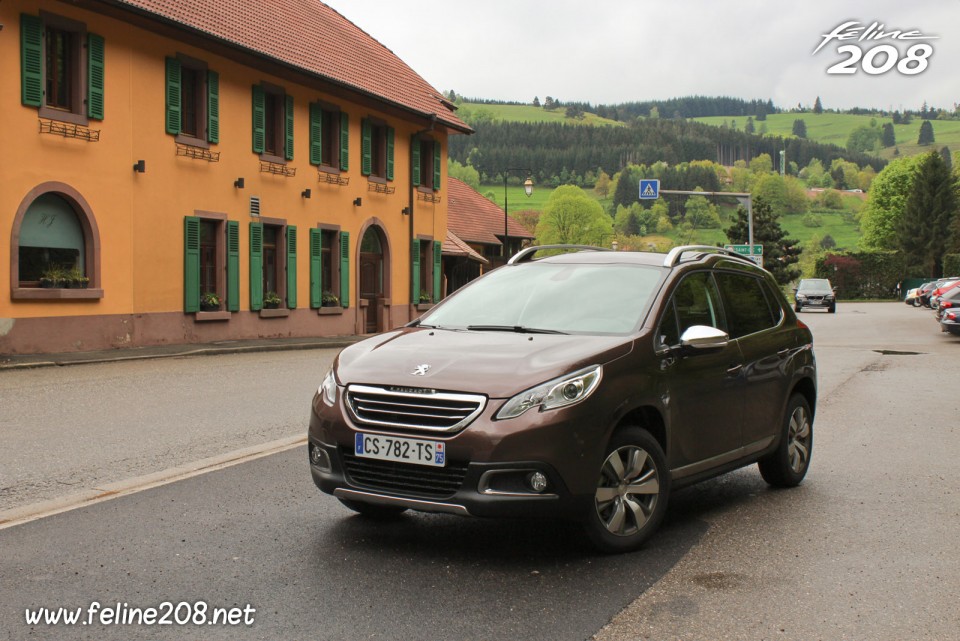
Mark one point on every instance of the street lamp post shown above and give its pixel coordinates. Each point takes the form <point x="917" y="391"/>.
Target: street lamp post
<point x="528" y="188"/>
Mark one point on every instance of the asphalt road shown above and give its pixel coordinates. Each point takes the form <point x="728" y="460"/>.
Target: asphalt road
<point x="865" y="549"/>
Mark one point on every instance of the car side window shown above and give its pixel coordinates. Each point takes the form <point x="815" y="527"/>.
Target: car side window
<point x="695" y="301"/>
<point x="746" y="305"/>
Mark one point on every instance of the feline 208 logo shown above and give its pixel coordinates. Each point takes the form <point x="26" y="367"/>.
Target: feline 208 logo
<point x="875" y="59"/>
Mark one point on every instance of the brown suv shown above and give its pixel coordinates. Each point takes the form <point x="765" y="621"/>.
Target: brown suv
<point x="585" y="384"/>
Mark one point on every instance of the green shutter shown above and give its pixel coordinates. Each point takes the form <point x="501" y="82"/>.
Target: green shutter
<point x="259" y="118"/>
<point x="437" y="266"/>
<point x="345" y="269"/>
<point x="366" y="148"/>
<point x="256" y="266"/>
<point x="191" y="264"/>
<point x="415" y="160"/>
<point x="436" y="165"/>
<point x="291" y="267"/>
<point x="288" y="129"/>
<point x="316" y="134"/>
<point x="344" y="141"/>
<point x="213" y="107"/>
<point x="173" y="96"/>
<point x="414" y="271"/>
<point x="95" y="71"/>
<point x="390" y="137"/>
<point x="233" y="266"/>
<point x="31" y="60"/>
<point x="316" y="252"/>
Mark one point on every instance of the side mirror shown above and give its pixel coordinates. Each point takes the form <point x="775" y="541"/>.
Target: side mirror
<point x="702" y="339"/>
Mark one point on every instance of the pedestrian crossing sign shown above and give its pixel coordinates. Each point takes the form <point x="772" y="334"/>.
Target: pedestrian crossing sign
<point x="649" y="189"/>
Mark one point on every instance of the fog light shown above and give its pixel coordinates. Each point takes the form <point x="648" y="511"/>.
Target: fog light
<point x="319" y="458"/>
<point x="537" y="482"/>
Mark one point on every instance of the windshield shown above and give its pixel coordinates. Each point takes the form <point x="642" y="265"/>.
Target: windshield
<point x="815" y="287"/>
<point x="572" y="299"/>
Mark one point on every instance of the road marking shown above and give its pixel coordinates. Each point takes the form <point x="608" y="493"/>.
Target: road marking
<point x="107" y="491"/>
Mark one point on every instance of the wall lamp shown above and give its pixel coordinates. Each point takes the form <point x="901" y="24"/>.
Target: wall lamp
<point x="405" y="211"/>
<point x="357" y="201"/>
<point x="238" y="183"/>
<point x="305" y="193"/>
<point x="140" y="166"/>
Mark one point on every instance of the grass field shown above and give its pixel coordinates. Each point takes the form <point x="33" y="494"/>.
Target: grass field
<point x="529" y="113"/>
<point x="838" y="224"/>
<point x="835" y="129"/>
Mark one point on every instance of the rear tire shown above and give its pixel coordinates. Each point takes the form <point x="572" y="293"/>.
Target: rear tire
<point x="373" y="510"/>
<point x="633" y="486"/>
<point x="787" y="466"/>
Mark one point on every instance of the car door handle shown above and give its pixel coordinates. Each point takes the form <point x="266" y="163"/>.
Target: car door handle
<point x="733" y="370"/>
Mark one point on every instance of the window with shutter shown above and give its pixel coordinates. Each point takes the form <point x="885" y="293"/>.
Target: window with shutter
<point x="316" y="265"/>
<point x="437" y="269"/>
<point x="192" y="101"/>
<point x="273" y="119"/>
<point x="61" y="68"/>
<point x="344" y="141"/>
<point x="233" y="266"/>
<point x="291" y="266"/>
<point x="256" y="266"/>
<point x="191" y="264"/>
<point x="345" y="269"/>
<point x="415" y="271"/>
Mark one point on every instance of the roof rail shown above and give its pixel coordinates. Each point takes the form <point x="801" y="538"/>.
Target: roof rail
<point x="675" y="254"/>
<point x="526" y="254"/>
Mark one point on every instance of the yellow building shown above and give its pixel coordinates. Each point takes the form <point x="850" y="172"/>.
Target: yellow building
<point x="184" y="171"/>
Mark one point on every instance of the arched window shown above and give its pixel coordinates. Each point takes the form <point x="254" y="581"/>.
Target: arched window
<point x="54" y="246"/>
<point x="51" y="241"/>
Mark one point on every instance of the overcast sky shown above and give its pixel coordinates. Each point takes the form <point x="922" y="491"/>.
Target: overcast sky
<point x="636" y="50"/>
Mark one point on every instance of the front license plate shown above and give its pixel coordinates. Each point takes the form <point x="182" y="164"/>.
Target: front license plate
<point x="401" y="450"/>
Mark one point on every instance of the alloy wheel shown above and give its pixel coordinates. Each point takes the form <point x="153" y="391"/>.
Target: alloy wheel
<point x="798" y="436"/>
<point x="628" y="490"/>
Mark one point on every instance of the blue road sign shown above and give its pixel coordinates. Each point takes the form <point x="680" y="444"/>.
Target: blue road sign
<point x="649" y="189"/>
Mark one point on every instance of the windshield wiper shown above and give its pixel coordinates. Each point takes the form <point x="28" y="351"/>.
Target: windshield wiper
<point x="519" y="329"/>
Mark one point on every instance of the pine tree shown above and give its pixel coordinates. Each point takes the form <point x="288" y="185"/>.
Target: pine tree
<point x="779" y="252"/>
<point x="749" y="127"/>
<point x="799" y="128"/>
<point x="930" y="209"/>
<point x="947" y="157"/>
<point x="926" y="133"/>
<point x="889" y="138"/>
<point x="818" y="106"/>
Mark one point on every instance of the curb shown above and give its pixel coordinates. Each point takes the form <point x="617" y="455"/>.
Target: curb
<point x="186" y="351"/>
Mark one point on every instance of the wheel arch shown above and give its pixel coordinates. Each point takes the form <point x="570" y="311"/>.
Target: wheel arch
<point x="808" y="390"/>
<point x="648" y="418"/>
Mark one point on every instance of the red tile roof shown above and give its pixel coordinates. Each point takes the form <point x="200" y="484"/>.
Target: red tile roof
<point x="453" y="246"/>
<point x="475" y="219"/>
<point x="310" y="36"/>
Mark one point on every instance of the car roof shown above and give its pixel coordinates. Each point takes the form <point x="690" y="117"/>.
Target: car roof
<point x="684" y="254"/>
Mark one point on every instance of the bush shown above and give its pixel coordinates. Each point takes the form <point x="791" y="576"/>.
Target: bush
<point x="859" y="275"/>
<point x="812" y="220"/>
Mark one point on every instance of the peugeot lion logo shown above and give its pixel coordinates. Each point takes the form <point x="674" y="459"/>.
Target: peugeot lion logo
<point x="420" y="370"/>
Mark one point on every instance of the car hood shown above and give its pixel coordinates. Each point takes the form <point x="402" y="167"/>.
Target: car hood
<point x="497" y="364"/>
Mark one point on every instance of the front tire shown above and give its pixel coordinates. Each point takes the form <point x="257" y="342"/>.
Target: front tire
<point x="633" y="486"/>
<point x="787" y="466"/>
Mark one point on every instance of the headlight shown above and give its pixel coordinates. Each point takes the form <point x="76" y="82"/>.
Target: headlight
<point x="328" y="388"/>
<point x="560" y="392"/>
<point x="801" y="297"/>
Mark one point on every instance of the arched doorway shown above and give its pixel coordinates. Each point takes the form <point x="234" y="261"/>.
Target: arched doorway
<point x="374" y="260"/>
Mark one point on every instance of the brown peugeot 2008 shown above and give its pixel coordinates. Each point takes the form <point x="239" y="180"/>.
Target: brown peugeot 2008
<point x="584" y="384"/>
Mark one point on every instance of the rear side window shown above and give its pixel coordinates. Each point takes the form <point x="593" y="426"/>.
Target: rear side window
<point x="748" y="310"/>
<point x="695" y="301"/>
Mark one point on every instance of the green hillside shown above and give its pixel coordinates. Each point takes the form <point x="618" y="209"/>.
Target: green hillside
<point x="526" y="113"/>
<point x="832" y="128"/>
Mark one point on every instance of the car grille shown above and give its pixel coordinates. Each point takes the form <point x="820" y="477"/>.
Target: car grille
<point x="403" y="478"/>
<point x="815" y="299"/>
<point x="413" y="408"/>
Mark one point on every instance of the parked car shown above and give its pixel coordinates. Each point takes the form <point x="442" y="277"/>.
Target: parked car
<point x="585" y="385"/>
<point x="938" y="293"/>
<point x="926" y="290"/>
<point x="817" y="293"/>
<point x="912" y="298"/>
<point x="950" y="322"/>
<point x="948" y="302"/>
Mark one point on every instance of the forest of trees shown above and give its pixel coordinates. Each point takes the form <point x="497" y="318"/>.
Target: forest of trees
<point x="555" y="151"/>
